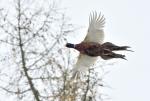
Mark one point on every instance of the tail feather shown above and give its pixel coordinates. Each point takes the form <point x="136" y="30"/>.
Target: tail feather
<point x="114" y="47"/>
<point x="111" y="55"/>
<point x="118" y="48"/>
<point x="119" y="56"/>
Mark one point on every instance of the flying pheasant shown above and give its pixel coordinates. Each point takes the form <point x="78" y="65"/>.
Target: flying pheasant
<point x="94" y="49"/>
<point x="93" y="46"/>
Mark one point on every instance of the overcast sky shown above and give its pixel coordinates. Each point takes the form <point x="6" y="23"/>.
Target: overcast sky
<point x="127" y="23"/>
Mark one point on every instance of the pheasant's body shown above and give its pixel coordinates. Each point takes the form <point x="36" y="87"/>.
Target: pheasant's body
<point x="84" y="47"/>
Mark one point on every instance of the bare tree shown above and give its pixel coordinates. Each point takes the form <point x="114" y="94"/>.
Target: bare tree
<point x="34" y="64"/>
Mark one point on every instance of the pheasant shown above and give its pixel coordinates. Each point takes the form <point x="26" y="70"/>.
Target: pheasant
<point x="92" y="46"/>
<point x="94" y="49"/>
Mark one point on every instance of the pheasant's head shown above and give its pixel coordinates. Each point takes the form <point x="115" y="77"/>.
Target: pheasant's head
<point x="69" y="45"/>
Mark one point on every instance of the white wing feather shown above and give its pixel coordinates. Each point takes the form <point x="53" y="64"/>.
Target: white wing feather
<point x="95" y="30"/>
<point x="95" y="34"/>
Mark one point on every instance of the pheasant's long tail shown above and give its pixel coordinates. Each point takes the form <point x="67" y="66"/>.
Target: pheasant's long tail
<point x="110" y="55"/>
<point x="119" y="56"/>
<point x="113" y="47"/>
<point x="118" y="48"/>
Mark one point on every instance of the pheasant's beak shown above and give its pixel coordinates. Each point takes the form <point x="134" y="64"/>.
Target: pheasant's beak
<point x="69" y="45"/>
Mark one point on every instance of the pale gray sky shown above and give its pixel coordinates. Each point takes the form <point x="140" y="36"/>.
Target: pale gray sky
<point x="127" y="23"/>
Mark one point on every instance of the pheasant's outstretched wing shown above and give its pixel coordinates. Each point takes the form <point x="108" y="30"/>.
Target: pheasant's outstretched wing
<point x="83" y="64"/>
<point x="95" y="34"/>
<point x="95" y="30"/>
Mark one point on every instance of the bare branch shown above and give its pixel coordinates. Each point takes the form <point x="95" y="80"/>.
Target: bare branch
<point x="14" y="92"/>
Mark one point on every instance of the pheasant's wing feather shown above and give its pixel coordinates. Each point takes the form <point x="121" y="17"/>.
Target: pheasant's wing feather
<point x="83" y="64"/>
<point x="95" y="30"/>
<point x="85" y="61"/>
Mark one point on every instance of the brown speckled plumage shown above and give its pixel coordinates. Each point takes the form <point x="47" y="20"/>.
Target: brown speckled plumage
<point x="85" y="46"/>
